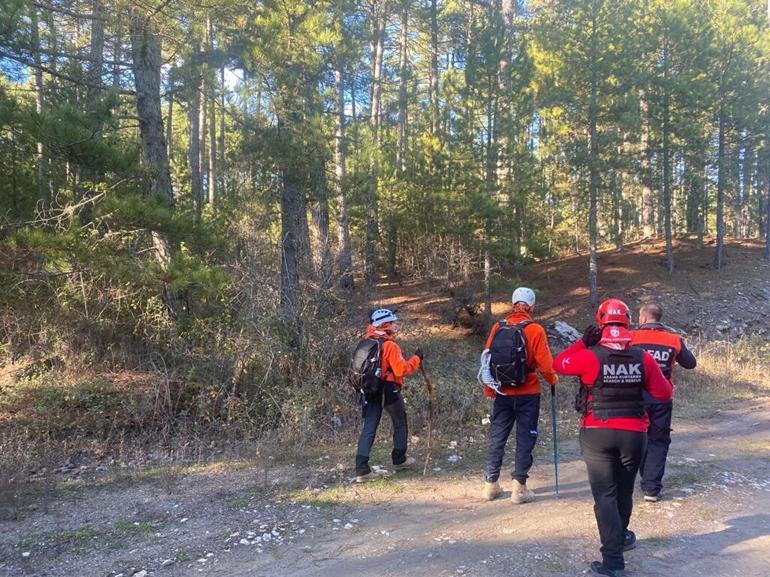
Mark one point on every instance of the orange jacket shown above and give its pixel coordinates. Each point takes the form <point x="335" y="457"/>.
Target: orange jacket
<point x="393" y="366"/>
<point x="538" y="357"/>
<point x="662" y="345"/>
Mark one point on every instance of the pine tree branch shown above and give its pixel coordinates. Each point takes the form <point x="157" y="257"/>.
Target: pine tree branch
<point x="57" y="74"/>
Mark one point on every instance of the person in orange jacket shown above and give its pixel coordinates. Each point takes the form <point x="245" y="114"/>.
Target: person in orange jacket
<point x="515" y="404"/>
<point x="393" y="369"/>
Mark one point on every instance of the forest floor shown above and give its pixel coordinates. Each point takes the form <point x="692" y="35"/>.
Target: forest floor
<point x="298" y="513"/>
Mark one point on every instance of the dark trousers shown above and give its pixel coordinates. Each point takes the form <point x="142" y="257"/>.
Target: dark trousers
<point x="524" y="411"/>
<point x="612" y="458"/>
<point x="658" y="440"/>
<point x="372" y="413"/>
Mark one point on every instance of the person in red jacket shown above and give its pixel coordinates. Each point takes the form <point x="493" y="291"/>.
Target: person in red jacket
<point x="613" y="423"/>
<point x="393" y="369"/>
<point x="667" y="348"/>
<point x="516" y="404"/>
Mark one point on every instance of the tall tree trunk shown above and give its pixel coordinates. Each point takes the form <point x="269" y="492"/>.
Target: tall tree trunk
<point x="170" y="128"/>
<point x="403" y="118"/>
<point x="377" y="55"/>
<point x="212" y="153"/>
<point x="433" y="71"/>
<point x="648" y="221"/>
<point x="490" y="178"/>
<point x="94" y="74"/>
<point x="321" y="225"/>
<point x="96" y="51"/>
<point x="704" y="205"/>
<point x="41" y="163"/>
<point x="146" y="63"/>
<point x="617" y="217"/>
<point x="292" y="206"/>
<point x="222" y="168"/>
<point x="760" y="199"/>
<point x="392" y="249"/>
<point x="719" y="257"/>
<point x="748" y="191"/>
<point x="767" y="193"/>
<point x="693" y="194"/>
<point x="210" y="96"/>
<point x="203" y="162"/>
<point x="194" y="146"/>
<point x="340" y="153"/>
<point x="593" y="267"/>
<point x="117" y="54"/>
<point x="378" y="46"/>
<point x="735" y="196"/>
<point x="667" y="165"/>
<point x="504" y="128"/>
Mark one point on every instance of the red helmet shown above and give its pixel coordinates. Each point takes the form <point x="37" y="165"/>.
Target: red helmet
<point x="613" y="311"/>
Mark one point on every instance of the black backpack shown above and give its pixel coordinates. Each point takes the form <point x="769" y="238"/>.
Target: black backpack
<point x="365" y="367"/>
<point x="508" y="354"/>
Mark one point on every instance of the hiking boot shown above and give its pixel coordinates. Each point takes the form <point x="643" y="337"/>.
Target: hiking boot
<point x="408" y="464"/>
<point x="372" y="475"/>
<point x="629" y="540"/>
<point x="492" y="491"/>
<point x="599" y="569"/>
<point x="652" y="498"/>
<point x="520" y="493"/>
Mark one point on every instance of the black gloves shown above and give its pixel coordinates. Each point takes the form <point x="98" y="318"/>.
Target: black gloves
<point x="419" y="353"/>
<point x="592" y="335"/>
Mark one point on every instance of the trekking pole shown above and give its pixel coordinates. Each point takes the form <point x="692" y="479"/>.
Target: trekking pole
<point x="553" y="429"/>
<point x="429" y="387"/>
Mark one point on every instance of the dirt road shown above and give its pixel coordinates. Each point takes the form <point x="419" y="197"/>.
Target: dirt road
<point x="715" y="521"/>
<point x="310" y="521"/>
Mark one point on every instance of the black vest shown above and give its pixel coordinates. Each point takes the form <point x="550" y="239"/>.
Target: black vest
<point x="617" y="391"/>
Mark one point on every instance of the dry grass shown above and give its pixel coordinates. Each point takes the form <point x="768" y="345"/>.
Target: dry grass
<point x="725" y="372"/>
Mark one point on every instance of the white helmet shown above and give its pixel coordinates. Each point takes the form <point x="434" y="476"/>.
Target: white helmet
<point x="523" y="295"/>
<point x="382" y="316"/>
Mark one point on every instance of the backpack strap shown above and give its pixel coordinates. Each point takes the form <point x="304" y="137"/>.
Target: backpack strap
<point x="521" y="326"/>
<point x="381" y="344"/>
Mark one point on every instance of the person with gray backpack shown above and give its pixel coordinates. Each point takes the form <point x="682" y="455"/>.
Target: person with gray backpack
<point x="377" y="373"/>
<point x="517" y="346"/>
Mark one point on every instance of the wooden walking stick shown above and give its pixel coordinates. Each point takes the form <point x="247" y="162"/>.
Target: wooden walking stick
<point x="429" y="387"/>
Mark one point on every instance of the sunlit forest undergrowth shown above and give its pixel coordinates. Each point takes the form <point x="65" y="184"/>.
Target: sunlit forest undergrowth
<point x="175" y="403"/>
<point x="200" y="202"/>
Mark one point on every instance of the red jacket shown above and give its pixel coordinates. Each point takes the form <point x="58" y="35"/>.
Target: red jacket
<point x="579" y="361"/>
<point x="538" y="357"/>
<point x="393" y="366"/>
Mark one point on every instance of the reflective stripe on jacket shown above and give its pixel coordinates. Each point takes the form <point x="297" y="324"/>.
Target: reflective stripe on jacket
<point x="662" y="345"/>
